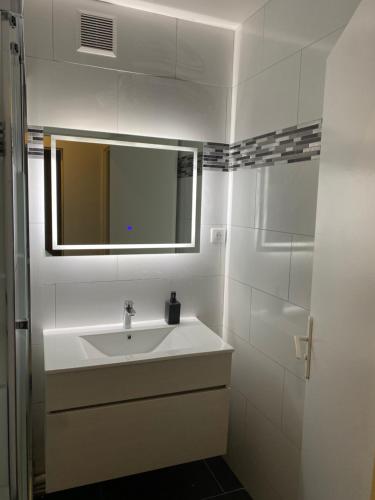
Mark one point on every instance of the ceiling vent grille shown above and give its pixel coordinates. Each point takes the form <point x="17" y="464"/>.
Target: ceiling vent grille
<point x="97" y="34"/>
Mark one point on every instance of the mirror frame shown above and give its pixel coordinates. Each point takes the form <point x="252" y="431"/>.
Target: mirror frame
<point x="57" y="247"/>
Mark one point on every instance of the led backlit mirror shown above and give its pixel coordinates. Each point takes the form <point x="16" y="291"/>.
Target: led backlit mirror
<point x="121" y="195"/>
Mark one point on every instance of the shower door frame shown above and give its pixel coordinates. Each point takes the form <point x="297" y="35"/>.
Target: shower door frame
<point x="17" y="328"/>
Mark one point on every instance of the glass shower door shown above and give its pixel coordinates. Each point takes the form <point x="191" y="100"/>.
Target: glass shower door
<point x="15" y="469"/>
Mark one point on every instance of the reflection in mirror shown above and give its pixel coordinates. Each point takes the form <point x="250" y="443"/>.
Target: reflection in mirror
<point x="121" y="196"/>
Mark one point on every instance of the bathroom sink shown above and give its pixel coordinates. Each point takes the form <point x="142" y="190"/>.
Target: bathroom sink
<point x="124" y="401"/>
<point x="106" y="363"/>
<point x="130" y="342"/>
<point x="77" y="348"/>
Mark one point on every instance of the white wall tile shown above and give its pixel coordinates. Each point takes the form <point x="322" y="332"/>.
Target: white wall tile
<point x="249" y="47"/>
<point x="301" y="270"/>
<point x="293" y="24"/>
<point x="259" y="379"/>
<point x="164" y="107"/>
<point x="98" y="303"/>
<point x="236" y="433"/>
<point x="313" y="71"/>
<point x="254" y="479"/>
<point x="83" y="304"/>
<point x="36" y="190"/>
<point x="3" y="437"/>
<point x="208" y="300"/>
<point x="243" y="201"/>
<point x="228" y="124"/>
<point x="206" y="262"/>
<point x="71" y="96"/>
<point x="268" y="101"/>
<point x="238" y="308"/>
<point x="261" y="259"/>
<point x="146" y="42"/>
<point x="38" y="28"/>
<point x="293" y="405"/>
<point x="239" y="257"/>
<point x="273" y="457"/>
<point x="274" y="322"/>
<point x="214" y="197"/>
<point x="204" y="53"/>
<point x="286" y="198"/>
<point x="46" y="269"/>
<point x="42" y="310"/>
<point x="134" y="267"/>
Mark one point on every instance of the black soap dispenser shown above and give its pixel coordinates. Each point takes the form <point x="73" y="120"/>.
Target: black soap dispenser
<point x="172" y="310"/>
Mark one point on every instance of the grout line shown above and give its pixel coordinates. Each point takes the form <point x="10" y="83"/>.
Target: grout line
<point x="272" y="423"/>
<point x="250" y="322"/>
<point x="290" y="264"/>
<point x="132" y="73"/>
<point x="265" y="68"/>
<point x="266" y="355"/>
<point x="273" y="231"/>
<point x="213" y="475"/>
<point x="224" y="494"/>
<point x="268" y="293"/>
<point x="254" y="13"/>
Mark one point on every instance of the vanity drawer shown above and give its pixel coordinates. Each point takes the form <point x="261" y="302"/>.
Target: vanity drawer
<point x="84" y="446"/>
<point x="108" y="384"/>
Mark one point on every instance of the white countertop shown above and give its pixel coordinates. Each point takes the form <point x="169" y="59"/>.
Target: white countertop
<point x="66" y="350"/>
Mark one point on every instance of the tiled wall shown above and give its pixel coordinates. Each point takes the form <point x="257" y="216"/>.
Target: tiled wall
<point x="184" y="95"/>
<point x="171" y="78"/>
<point x="280" y="55"/>
<point x="175" y="82"/>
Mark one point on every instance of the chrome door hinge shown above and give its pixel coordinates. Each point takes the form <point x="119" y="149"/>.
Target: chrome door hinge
<point x="14" y="48"/>
<point x="22" y="324"/>
<point x="11" y="18"/>
<point x="306" y="355"/>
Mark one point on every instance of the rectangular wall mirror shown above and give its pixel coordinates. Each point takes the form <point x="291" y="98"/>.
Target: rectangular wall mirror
<point x="121" y="194"/>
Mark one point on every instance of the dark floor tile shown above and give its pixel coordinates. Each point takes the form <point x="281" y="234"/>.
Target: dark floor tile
<point x="233" y="495"/>
<point x="92" y="492"/>
<point x="191" y="481"/>
<point x="223" y="474"/>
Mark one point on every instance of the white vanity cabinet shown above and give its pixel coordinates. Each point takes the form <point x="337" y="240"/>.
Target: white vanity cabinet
<point x="112" y="416"/>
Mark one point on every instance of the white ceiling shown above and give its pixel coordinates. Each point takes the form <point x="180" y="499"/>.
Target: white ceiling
<point x="225" y="13"/>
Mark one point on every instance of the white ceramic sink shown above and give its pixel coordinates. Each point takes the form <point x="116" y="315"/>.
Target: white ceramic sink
<point x="128" y="342"/>
<point x="101" y="345"/>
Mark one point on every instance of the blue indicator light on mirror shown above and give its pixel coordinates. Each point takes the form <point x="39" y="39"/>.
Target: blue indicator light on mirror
<point x="130" y="228"/>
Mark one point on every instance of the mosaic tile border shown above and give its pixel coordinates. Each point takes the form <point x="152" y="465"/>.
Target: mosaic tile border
<point x="216" y="156"/>
<point x="35" y="149"/>
<point x="290" y="145"/>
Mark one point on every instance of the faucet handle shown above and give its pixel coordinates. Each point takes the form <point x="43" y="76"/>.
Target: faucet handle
<point x="128" y="305"/>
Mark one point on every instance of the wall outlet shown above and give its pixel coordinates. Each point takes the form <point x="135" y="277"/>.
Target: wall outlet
<point x="218" y="236"/>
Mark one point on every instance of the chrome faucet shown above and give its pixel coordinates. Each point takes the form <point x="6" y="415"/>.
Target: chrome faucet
<point x="129" y="312"/>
